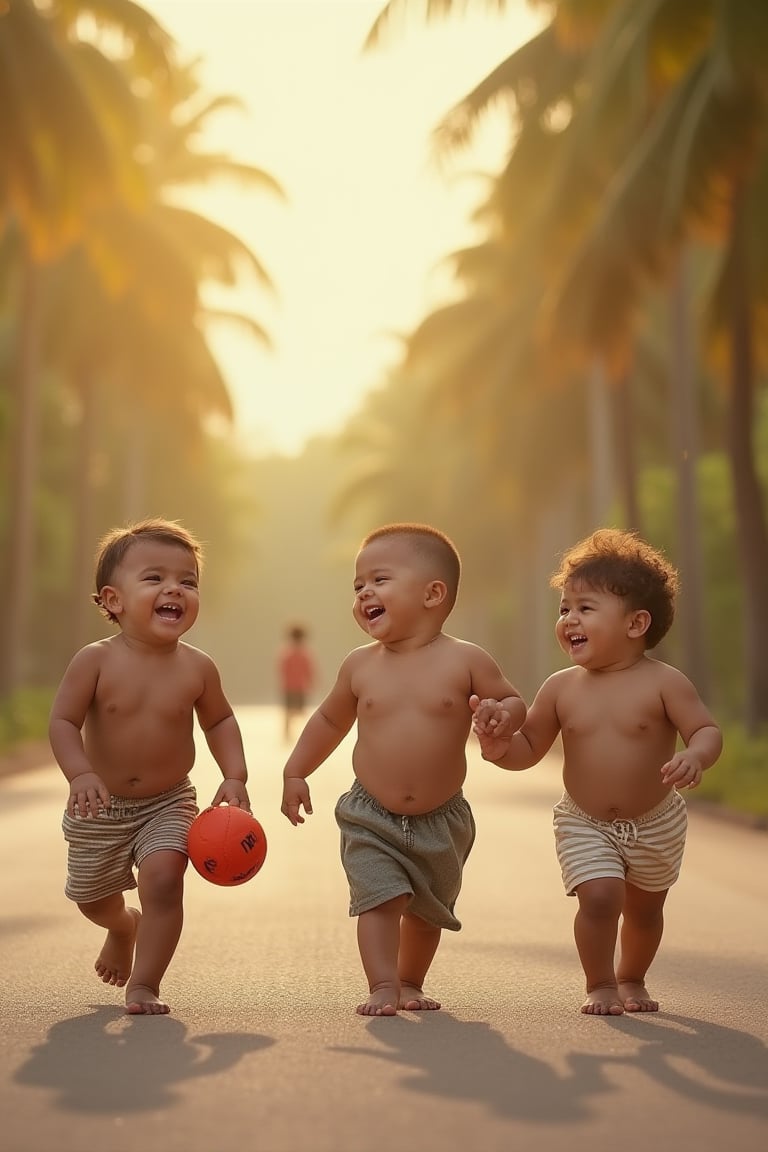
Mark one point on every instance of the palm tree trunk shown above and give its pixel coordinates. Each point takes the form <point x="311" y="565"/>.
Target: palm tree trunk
<point x="685" y="454"/>
<point x="83" y="518"/>
<point x="626" y="451"/>
<point x="600" y="443"/>
<point x="751" y="531"/>
<point x="23" y="455"/>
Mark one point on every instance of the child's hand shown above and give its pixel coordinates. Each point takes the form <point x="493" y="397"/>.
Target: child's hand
<point x="489" y="718"/>
<point x="492" y="726"/>
<point x="683" y="770"/>
<point x="232" y="792"/>
<point x="88" y="796"/>
<point x="295" y="797"/>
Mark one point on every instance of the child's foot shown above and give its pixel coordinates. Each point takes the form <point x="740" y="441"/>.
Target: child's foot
<point x="603" y="1002"/>
<point x="635" y="997"/>
<point x="115" y="961"/>
<point x="412" y="999"/>
<point x="381" y="1002"/>
<point x="143" y="1001"/>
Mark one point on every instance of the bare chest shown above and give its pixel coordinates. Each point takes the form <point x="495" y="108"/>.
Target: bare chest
<point x="169" y="696"/>
<point x="616" y="709"/>
<point x="405" y="691"/>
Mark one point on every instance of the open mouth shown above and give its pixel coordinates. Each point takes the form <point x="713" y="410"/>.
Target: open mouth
<point x="170" y="612"/>
<point x="577" y="641"/>
<point x="374" y="612"/>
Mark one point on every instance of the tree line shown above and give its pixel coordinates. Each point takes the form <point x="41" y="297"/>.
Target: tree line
<point x="603" y="360"/>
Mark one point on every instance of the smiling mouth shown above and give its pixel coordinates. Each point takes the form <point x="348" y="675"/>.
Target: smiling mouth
<point x="373" y="613"/>
<point x="577" y="641"/>
<point x="170" y="612"/>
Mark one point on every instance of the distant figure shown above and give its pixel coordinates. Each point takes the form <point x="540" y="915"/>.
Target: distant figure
<point x="406" y="827"/>
<point x="296" y="673"/>
<point x="620" y="825"/>
<point x="121" y="731"/>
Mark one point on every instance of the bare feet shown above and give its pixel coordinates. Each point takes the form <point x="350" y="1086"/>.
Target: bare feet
<point x="115" y="961"/>
<point x="603" y="1002"/>
<point x="635" y="997"/>
<point x="143" y="1001"/>
<point x="382" y="1001"/>
<point x="412" y="999"/>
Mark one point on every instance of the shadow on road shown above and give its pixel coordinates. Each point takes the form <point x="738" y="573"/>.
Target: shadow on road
<point x="707" y="1063"/>
<point x="107" y="1062"/>
<point x="704" y="1062"/>
<point x="471" y="1061"/>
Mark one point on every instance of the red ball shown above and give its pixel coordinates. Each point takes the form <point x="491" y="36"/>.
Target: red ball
<point x="226" y="845"/>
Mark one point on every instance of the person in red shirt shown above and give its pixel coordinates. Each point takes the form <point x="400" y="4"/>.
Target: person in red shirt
<point x="296" y="673"/>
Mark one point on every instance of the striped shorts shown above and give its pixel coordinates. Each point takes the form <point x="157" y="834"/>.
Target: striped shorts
<point x="104" y="850"/>
<point x="646" y="852"/>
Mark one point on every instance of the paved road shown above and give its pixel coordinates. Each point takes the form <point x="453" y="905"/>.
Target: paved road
<point x="263" y="1051"/>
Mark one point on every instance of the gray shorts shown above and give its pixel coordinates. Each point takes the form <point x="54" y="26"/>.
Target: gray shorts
<point x="646" y="852"/>
<point x="103" y="850"/>
<point x="387" y="855"/>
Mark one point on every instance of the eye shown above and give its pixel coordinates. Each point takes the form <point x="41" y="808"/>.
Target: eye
<point x="153" y="578"/>
<point x="190" y="583"/>
<point x="380" y="579"/>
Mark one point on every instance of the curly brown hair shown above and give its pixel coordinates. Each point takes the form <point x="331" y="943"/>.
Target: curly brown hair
<point x="617" y="561"/>
<point x="114" y="546"/>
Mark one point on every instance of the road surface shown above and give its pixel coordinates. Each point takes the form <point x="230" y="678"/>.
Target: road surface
<point x="264" y="1052"/>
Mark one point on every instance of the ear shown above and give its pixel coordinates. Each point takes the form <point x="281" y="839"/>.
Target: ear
<point x="110" y="599"/>
<point x="639" y="623"/>
<point x="435" y="593"/>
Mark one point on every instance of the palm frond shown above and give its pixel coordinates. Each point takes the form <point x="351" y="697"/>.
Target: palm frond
<point x="398" y="11"/>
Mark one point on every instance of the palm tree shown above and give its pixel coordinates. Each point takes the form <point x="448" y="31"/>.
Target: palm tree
<point x="675" y="95"/>
<point x="697" y="167"/>
<point x="56" y="168"/>
<point x="146" y="323"/>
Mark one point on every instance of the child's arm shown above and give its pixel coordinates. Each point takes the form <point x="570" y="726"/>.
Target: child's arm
<point x="323" y="732"/>
<point x="87" y="791"/>
<point x="702" y="738"/>
<point x="522" y="749"/>
<point x="223" y="737"/>
<point x="490" y="683"/>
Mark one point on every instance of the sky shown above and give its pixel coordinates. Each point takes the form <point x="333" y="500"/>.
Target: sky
<point x="357" y="250"/>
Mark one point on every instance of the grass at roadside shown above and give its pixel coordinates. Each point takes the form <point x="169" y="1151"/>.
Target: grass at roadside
<point x="739" y="780"/>
<point x="24" y="718"/>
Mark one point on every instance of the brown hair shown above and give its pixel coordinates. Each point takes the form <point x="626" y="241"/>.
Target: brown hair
<point x="618" y="561"/>
<point x="114" y="547"/>
<point x="430" y="543"/>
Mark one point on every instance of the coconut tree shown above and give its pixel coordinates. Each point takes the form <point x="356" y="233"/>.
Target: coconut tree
<point x="142" y="267"/>
<point x="697" y="166"/>
<point x="55" y="168"/>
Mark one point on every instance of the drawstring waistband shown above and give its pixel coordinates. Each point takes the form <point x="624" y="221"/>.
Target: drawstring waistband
<point x="626" y="830"/>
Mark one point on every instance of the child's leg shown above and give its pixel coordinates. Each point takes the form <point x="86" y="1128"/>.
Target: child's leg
<point x="114" y="962"/>
<point x="418" y="944"/>
<point x="161" y="891"/>
<point x="640" y="938"/>
<point x="378" y="938"/>
<point x="595" y="930"/>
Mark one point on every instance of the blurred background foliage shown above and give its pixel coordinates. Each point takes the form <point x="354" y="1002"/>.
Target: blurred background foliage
<point x="603" y="361"/>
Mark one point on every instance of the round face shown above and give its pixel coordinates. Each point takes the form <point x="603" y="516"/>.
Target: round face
<point x="393" y="590"/>
<point x="596" y="629"/>
<point x="154" y="592"/>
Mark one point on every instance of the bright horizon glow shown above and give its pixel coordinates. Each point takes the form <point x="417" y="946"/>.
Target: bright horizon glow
<point x="355" y="253"/>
